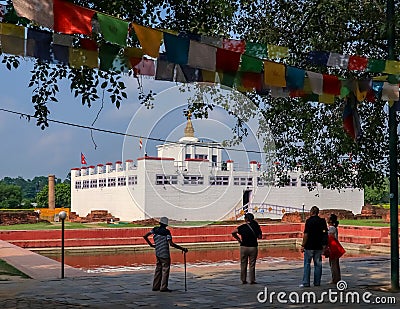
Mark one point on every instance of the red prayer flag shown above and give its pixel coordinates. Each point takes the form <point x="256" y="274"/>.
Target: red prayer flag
<point x="331" y="84"/>
<point x="72" y="19"/>
<point x="252" y="80"/>
<point x="238" y="46"/>
<point x="357" y="63"/>
<point x="227" y="61"/>
<point x="83" y="159"/>
<point x="88" y="44"/>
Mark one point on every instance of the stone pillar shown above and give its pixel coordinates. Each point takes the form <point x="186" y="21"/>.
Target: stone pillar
<point x="52" y="195"/>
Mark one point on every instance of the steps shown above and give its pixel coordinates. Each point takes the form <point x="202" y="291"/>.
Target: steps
<point x="367" y="236"/>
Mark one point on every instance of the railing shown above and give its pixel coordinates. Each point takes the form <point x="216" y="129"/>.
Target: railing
<point x="263" y="209"/>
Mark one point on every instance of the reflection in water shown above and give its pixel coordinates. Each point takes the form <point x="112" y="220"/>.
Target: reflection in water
<point x="131" y="261"/>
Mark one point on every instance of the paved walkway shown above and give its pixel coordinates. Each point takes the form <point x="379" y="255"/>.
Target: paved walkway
<point x="207" y="287"/>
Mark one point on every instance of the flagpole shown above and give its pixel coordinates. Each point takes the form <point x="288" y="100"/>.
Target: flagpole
<point x="393" y="177"/>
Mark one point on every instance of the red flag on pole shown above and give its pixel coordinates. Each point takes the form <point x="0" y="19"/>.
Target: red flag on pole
<point x="83" y="159"/>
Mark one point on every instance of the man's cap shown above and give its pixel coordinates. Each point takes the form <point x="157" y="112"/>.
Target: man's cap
<point x="164" y="220"/>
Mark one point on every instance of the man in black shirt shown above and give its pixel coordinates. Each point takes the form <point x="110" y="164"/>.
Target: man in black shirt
<point x="249" y="232"/>
<point x="314" y="242"/>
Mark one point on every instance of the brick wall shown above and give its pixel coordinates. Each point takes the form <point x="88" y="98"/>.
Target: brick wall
<point x="18" y="217"/>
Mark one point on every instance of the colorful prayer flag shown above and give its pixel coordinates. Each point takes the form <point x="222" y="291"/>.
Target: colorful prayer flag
<point x="210" y="40"/>
<point x="165" y="69"/>
<point x="275" y="51"/>
<point x="338" y="60"/>
<point x="114" y="30"/>
<point x="294" y="78"/>
<point x="331" y="84"/>
<point x="390" y="92"/>
<point x="107" y="54"/>
<point x="392" y="67"/>
<point x="146" y="67"/>
<point x="12" y="39"/>
<point x="39" y="11"/>
<point x="318" y="57"/>
<point x="376" y="65"/>
<point x="316" y="82"/>
<point x="274" y="74"/>
<point x="256" y="50"/>
<point x="357" y="63"/>
<point x="149" y="39"/>
<point x="72" y="19"/>
<point x="227" y="61"/>
<point x="234" y="45"/>
<point x="351" y="119"/>
<point x="63" y="39"/>
<point x="79" y="57"/>
<point x="38" y="44"/>
<point x="251" y="64"/>
<point x="177" y="48"/>
<point x="202" y="56"/>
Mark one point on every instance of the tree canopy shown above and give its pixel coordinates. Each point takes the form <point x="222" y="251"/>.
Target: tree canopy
<point x="306" y="133"/>
<point x="62" y="196"/>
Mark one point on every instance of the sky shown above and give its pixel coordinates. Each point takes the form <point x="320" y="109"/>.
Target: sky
<point x="27" y="151"/>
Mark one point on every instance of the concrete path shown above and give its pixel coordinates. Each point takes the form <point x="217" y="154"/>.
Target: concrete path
<point x="34" y="265"/>
<point x="208" y="287"/>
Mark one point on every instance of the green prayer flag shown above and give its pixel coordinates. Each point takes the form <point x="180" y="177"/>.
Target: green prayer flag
<point x="228" y="79"/>
<point x="376" y="65"/>
<point x="251" y="64"/>
<point x="107" y="54"/>
<point x="113" y="30"/>
<point x="256" y="50"/>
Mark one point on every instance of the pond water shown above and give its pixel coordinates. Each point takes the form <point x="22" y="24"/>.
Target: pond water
<point x="132" y="261"/>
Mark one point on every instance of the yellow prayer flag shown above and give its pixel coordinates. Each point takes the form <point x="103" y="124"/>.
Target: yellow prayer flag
<point x="12" y="39"/>
<point x="150" y="39"/>
<point x="307" y="86"/>
<point x="12" y="30"/>
<point x="274" y="74"/>
<point x="361" y="95"/>
<point x="133" y="52"/>
<point x="208" y="76"/>
<point x="326" y="98"/>
<point x="275" y="51"/>
<point x="82" y="57"/>
<point x="392" y="67"/>
<point x="381" y="78"/>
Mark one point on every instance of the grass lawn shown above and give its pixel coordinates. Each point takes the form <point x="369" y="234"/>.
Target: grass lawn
<point x="47" y="226"/>
<point x="75" y="225"/>
<point x="8" y="270"/>
<point x="364" y="222"/>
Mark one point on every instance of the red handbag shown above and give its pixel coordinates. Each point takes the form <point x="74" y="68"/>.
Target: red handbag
<point x="336" y="250"/>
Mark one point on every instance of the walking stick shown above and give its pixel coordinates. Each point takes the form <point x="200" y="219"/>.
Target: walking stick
<point x="184" y="262"/>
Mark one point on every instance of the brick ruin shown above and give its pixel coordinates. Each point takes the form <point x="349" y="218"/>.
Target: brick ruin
<point x="19" y="217"/>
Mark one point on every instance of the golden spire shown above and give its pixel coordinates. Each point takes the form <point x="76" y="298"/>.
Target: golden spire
<point x="189" y="130"/>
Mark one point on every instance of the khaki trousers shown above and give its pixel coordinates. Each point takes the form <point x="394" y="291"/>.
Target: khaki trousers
<point x="161" y="274"/>
<point x="248" y="255"/>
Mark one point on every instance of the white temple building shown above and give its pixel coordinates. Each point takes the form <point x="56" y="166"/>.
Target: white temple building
<point x="189" y="180"/>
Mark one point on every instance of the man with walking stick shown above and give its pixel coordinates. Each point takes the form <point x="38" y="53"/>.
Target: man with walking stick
<point x="162" y="240"/>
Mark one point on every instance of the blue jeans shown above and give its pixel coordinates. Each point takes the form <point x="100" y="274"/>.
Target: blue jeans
<point x="316" y="256"/>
